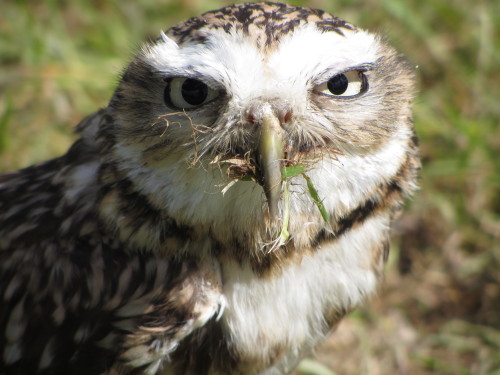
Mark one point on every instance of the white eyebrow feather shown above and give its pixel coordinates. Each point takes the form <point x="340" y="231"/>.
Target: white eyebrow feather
<point x="170" y="42"/>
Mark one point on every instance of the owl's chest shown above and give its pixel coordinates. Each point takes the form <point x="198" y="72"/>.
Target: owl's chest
<point x="275" y="320"/>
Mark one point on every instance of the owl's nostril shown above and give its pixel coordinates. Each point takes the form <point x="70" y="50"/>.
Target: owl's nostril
<point x="286" y="118"/>
<point x="281" y="110"/>
<point x="251" y="118"/>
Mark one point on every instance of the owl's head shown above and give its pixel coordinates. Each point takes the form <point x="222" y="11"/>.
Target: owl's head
<point x="209" y="115"/>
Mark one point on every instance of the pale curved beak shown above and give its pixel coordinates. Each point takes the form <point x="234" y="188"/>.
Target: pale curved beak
<point x="271" y="155"/>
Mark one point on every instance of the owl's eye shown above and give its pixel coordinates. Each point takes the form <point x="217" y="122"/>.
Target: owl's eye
<point x="346" y="84"/>
<point x="188" y="93"/>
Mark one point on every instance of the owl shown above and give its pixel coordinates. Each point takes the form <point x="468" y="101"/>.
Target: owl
<point x="222" y="214"/>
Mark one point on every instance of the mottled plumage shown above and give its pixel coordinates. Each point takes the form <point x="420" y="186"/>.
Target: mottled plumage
<point x="167" y="241"/>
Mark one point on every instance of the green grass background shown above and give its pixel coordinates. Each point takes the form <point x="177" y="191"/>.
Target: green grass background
<point x="439" y="309"/>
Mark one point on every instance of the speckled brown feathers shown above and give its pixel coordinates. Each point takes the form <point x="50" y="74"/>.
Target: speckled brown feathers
<point x="75" y="299"/>
<point x="171" y="239"/>
<point x="275" y="20"/>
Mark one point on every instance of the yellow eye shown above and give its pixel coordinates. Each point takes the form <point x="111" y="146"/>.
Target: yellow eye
<point x="188" y="93"/>
<point x="344" y="85"/>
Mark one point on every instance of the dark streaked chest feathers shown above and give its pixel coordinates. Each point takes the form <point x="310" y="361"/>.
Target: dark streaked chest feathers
<point x="173" y="238"/>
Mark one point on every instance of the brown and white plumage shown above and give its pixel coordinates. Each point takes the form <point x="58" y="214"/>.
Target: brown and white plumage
<point x="155" y="245"/>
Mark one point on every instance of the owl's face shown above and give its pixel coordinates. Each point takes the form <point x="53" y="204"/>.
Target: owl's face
<point x="211" y="113"/>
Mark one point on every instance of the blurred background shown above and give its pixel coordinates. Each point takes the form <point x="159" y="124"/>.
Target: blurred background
<point x="438" y="311"/>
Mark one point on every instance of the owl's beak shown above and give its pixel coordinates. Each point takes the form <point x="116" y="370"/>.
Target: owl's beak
<point x="270" y="155"/>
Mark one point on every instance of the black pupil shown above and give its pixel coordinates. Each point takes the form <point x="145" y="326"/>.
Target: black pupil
<point x="338" y="84"/>
<point x="194" y="92"/>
